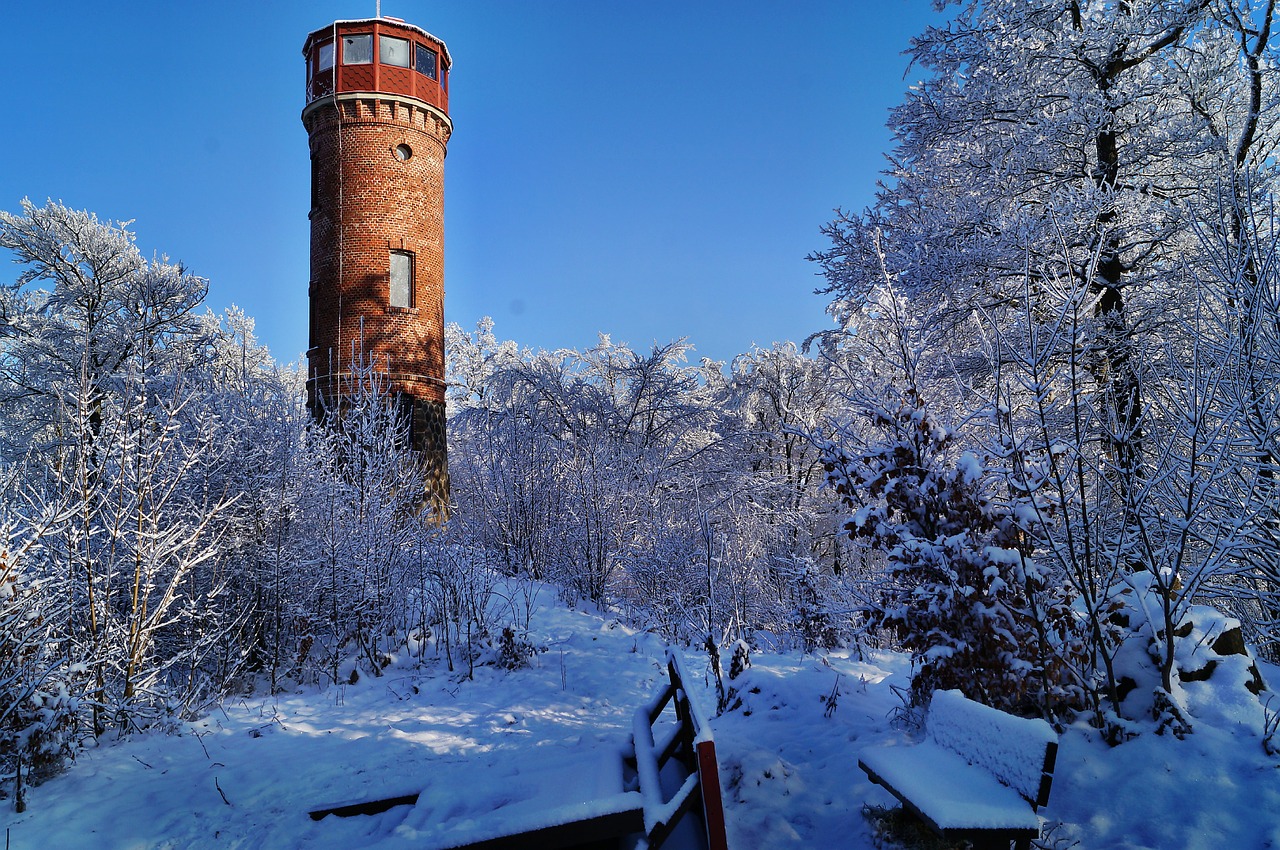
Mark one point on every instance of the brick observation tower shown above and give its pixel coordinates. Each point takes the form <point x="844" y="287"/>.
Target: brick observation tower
<point x="377" y="119"/>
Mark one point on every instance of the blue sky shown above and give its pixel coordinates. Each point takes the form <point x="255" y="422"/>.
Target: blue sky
<point x="651" y="170"/>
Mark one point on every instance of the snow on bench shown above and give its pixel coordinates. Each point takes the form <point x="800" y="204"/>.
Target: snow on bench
<point x="594" y="797"/>
<point x="980" y="775"/>
<point x="563" y="801"/>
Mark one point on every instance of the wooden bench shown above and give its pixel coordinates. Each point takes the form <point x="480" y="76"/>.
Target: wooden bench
<point x="980" y="775"/>
<point x="641" y="792"/>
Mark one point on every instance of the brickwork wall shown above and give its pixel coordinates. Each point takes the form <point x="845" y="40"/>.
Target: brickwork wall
<point x="366" y="203"/>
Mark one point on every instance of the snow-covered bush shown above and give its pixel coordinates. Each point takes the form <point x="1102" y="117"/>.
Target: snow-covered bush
<point x="37" y="710"/>
<point x="960" y="589"/>
<point x="957" y="592"/>
<point x="514" y="651"/>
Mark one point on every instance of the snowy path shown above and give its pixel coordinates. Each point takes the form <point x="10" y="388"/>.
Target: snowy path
<point x="789" y="773"/>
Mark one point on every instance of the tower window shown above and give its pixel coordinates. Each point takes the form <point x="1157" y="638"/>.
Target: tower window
<point x="401" y="279"/>
<point x="393" y="51"/>
<point x="357" y="49"/>
<point x="425" y="61"/>
<point x="324" y="57"/>
<point x="315" y="183"/>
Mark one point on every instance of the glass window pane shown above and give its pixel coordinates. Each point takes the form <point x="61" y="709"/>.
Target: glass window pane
<point x="401" y="279"/>
<point x="393" y="51"/>
<point x="326" y="57"/>
<point x="426" y="61"/>
<point x="357" y="49"/>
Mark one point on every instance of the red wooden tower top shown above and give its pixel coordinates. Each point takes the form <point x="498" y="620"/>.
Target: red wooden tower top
<point x="378" y="55"/>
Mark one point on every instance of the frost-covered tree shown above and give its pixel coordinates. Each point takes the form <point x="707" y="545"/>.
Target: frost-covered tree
<point x="95" y="374"/>
<point x="1075" y="193"/>
<point x="364" y="490"/>
<point x="782" y="394"/>
<point x="786" y="529"/>
<point x="147" y="430"/>
<point x="1069" y="139"/>
<point x="569" y="460"/>
<point x="105" y="308"/>
<point x="474" y="359"/>
<point x="259" y="407"/>
<point x="503" y="463"/>
<point x="1228" y="405"/>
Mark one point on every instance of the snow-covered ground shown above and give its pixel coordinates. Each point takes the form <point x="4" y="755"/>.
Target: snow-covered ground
<point x="247" y="775"/>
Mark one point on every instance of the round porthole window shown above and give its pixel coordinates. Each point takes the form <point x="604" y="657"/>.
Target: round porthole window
<point x="403" y="152"/>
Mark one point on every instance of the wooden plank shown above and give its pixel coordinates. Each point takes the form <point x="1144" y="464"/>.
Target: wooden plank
<point x="598" y="830"/>
<point x="712" y="804"/>
<point x="683" y="800"/>
<point x="695" y="735"/>
<point x="1046" y="776"/>
<point x="646" y="762"/>
<point x="367" y="807"/>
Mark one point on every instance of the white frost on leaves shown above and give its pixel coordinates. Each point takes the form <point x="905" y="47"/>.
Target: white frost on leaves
<point x="1006" y="557"/>
<point x="970" y="467"/>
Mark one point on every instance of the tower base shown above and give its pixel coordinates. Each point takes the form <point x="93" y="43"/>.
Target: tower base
<point x="421" y="430"/>
<point x="427" y="438"/>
